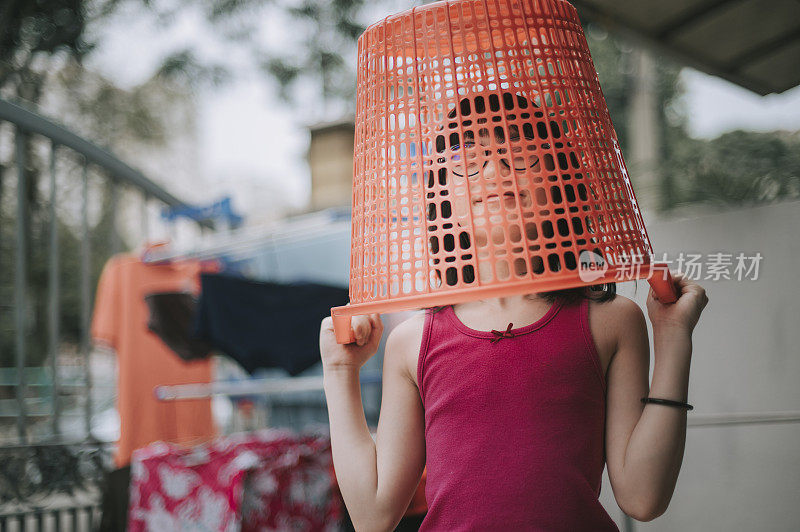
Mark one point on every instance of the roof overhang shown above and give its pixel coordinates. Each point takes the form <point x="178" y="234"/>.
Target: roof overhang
<point x="753" y="43"/>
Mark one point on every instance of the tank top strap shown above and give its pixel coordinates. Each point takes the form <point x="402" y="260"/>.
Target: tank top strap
<point x="570" y="315"/>
<point x="575" y="316"/>
<point x="428" y="334"/>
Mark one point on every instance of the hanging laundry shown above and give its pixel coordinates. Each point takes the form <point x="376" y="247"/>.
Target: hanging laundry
<point x="294" y="489"/>
<point x="172" y="316"/>
<point x="143" y="360"/>
<point x="265" y="325"/>
<point x="175" y="488"/>
<point x="264" y="480"/>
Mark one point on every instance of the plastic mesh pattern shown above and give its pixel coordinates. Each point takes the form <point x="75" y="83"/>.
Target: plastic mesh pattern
<point x="485" y="154"/>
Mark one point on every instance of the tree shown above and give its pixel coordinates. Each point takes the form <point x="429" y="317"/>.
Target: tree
<point x="42" y="46"/>
<point x="32" y="30"/>
<point x="331" y="27"/>
<point x="739" y="168"/>
<point x="735" y="169"/>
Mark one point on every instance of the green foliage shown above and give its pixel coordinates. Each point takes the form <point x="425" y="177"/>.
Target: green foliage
<point x="284" y="73"/>
<point x="41" y="26"/>
<point x="738" y="168"/>
<point x="326" y="29"/>
<point x="610" y="59"/>
<point x="97" y="109"/>
<point x="224" y="9"/>
<point x="184" y="68"/>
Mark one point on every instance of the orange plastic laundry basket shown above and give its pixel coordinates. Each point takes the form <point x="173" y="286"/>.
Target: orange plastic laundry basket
<point x="485" y="161"/>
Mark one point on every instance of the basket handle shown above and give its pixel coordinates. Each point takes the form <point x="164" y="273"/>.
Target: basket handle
<point x="662" y="283"/>
<point x="342" y="329"/>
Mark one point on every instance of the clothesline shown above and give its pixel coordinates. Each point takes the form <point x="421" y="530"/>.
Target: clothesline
<point x="243" y="241"/>
<point x="249" y="387"/>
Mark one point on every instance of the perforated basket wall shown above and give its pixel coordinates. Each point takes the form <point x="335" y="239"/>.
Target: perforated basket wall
<point x="485" y="157"/>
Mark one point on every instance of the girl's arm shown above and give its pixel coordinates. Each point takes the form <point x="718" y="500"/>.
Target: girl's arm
<point x="645" y="444"/>
<point x="377" y="479"/>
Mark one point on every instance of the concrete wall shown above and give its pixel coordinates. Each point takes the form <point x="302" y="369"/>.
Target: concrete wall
<point x="746" y="359"/>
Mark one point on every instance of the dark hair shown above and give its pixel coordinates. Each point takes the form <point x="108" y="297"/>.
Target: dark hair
<point x="600" y="293"/>
<point x="510" y="102"/>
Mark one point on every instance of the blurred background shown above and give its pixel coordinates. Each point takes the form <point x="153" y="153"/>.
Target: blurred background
<point x="226" y="127"/>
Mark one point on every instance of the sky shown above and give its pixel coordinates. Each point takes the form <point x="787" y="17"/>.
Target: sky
<point x="252" y="144"/>
<point x="715" y="106"/>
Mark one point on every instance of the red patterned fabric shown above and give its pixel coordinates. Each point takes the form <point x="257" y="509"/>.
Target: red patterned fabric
<point x="296" y="490"/>
<point x="266" y="480"/>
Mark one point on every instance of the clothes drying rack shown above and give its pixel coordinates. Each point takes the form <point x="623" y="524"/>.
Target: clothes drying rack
<point x="238" y="243"/>
<point x="263" y="387"/>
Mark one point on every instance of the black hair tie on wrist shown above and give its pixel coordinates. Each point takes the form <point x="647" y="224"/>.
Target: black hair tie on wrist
<point x="667" y="402"/>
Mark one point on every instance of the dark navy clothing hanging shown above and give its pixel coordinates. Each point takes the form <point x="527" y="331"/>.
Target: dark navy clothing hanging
<point x="172" y="317"/>
<point x="263" y="324"/>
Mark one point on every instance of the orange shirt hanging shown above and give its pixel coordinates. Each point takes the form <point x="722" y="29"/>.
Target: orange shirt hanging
<point x="144" y="361"/>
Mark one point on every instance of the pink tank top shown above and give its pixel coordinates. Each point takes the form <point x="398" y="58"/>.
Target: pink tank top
<point x="514" y="424"/>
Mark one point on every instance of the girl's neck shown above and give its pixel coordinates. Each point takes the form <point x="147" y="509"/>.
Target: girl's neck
<point x="512" y="301"/>
<point x="497" y="313"/>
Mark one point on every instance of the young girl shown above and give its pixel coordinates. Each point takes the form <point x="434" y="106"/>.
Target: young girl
<point x="514" y="405"/>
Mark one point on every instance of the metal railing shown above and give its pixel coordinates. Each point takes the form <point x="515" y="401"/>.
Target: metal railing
<point x="27" y="124"/>
<point x="27" y="127"/>
<point x="73" y="518"/>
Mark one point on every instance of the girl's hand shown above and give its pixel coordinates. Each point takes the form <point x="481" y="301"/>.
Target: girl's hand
<point x="685" y="311"/>
<point x="368" y="331"/>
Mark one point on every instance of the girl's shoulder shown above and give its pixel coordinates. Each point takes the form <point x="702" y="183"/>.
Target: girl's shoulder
<point x="619" y="310"/>
<point x="610" y="320"/>
<point x="404" y="342"/>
